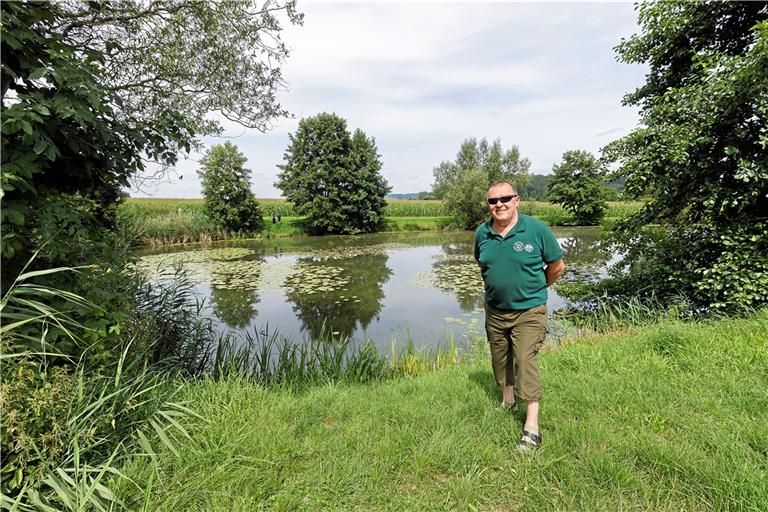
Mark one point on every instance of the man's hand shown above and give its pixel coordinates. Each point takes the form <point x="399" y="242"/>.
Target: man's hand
<point x="553" y="271"/>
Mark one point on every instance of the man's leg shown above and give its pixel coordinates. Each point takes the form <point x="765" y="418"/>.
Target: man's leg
<point x="528" y="335"/>
<point x="508" y="395"/>
<point x="497" y="331"/>
<point x="532" y="417"/>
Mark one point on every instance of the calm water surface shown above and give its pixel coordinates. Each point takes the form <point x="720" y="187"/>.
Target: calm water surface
<point x="386" y="287"/>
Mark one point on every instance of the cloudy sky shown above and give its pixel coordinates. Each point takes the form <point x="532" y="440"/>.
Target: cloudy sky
<point x="420" y="78"/>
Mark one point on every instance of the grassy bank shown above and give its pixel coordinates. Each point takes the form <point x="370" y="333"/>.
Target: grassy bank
<point x="666" y="417"/>
<point x="167" y="221"/>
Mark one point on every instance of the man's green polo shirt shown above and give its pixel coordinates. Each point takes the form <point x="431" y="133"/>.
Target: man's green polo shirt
<point x="513" y="266"/>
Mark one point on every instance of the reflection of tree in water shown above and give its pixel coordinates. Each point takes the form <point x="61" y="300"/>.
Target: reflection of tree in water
<point x="234" y="290"/>
<point x="584" y="257"/>
<point x="234" y="307"/>
<point x="583" y="250"/>
<point x="355" y="297"/>
<point x="460" y="274"/>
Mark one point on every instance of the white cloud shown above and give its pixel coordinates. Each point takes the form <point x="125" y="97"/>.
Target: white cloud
<point x="420" y="78"/>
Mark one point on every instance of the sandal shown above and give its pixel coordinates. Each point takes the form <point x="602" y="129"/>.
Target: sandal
<point x="529" y="441"/>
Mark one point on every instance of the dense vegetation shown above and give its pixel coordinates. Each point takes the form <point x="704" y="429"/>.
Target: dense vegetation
<point x="91" y="92"/>
<point x="463" y="183"/>
<point x="333" y="179"/>
<point x="577" y="184"/>
<point x="700" y="154"/>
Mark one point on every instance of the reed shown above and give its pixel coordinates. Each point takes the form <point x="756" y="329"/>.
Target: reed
<point x="270" y="359"/>
<point x="70" y="418"/>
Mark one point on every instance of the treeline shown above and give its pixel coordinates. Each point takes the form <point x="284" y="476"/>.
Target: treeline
<point x="534" y="190"/>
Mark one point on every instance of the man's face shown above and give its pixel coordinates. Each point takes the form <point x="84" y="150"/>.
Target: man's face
<point x="502" y="211"/>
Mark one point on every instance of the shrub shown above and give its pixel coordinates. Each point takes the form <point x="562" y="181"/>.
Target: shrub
<point x="577" y="184"/>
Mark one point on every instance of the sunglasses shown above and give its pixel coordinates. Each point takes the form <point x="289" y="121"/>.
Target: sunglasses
<point x="503" y="199"/>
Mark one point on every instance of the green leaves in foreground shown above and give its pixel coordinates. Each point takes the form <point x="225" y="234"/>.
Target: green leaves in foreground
<point x="67" y="425"/>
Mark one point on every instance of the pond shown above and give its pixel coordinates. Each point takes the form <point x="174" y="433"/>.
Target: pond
<point x="384" y="287"/>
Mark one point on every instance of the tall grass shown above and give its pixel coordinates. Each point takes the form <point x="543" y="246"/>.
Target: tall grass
<point x="604" y="314"/>
<point x="414" y="208"/>
<point x="68" y="423"/>
<point x="271" y="359"/>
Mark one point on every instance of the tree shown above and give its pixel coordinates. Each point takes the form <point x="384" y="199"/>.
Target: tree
<point x="91" y="90"/>
<point x="700" y="154"/>
<point x="463" y="184"/>
<point x="536" y="188"/>
<point x="577" y="185"/>
<point x="229" y="201"/>
<point x="333" y="179"/>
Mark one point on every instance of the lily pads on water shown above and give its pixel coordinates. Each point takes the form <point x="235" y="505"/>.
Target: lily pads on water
<point x="311" y="277"/>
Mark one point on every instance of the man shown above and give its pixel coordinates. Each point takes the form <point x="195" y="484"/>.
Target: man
<point x="519" y="258"/>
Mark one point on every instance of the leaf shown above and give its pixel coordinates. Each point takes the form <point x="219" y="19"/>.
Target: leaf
<point x="14" y="216"/>
<point x="26" y="126"/>
<point x="51" y="153"/>
<point x="40" y="146"/>
<point x="42" y="109"/>
<point x="37" y="73"/>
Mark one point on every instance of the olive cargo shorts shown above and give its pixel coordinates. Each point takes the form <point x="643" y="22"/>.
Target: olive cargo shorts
<point x="515" y="338"/>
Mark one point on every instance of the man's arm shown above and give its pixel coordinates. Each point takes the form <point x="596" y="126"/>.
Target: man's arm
<point x="553" y="271"/>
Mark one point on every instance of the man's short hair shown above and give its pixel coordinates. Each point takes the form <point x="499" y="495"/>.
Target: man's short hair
<point x="499" y="182"/>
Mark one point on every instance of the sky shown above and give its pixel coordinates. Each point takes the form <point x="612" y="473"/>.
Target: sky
<point x="422" y="77"/>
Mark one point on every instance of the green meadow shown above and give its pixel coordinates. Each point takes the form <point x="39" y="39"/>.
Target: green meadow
<point x="668" y="417"/>
<point x="158" y="221"/>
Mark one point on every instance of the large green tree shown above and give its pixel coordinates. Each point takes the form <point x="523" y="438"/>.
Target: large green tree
<point x="577" y="184"/>
<point x="701" y="154"/>
<point x="463" y="183"/>
<point x="226" y="187"/>
<point x="91" y="91"/>
<point x="332" y="178"/>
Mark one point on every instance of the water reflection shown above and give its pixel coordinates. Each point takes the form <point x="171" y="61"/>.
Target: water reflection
<point x="234" y="307"/>
<point x="342" y="309"/>
<point x="458" y="273"/>
<point x="233" y="292"/>
<point x="584" y="255"/>
<point x="427" y="285"/>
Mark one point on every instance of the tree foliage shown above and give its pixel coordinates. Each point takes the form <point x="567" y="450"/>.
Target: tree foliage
<point x="701" y="154"/>
<point x="229" y="201"/>
<point x="536" y="188"/>
<point x="91" y="90"/>
<point x="463" y="183"/>
<point x="577" y="185"/>
<point x="332" y="178"/>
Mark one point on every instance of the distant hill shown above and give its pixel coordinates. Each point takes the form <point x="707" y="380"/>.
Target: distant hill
<point x="403" y="196"/>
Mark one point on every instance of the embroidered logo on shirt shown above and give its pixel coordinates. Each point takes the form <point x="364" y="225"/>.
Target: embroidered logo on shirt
<point x="520" y="246"/>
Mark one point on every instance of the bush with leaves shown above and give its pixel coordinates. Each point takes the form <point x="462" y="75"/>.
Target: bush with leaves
<point x="229" y="201"/>
<point x="577" y="185"/>
<point x="79" y="396"/>
<point x="463" y="184"/>
<point x="701" y="154"/>
<point x="332" y="178"/>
